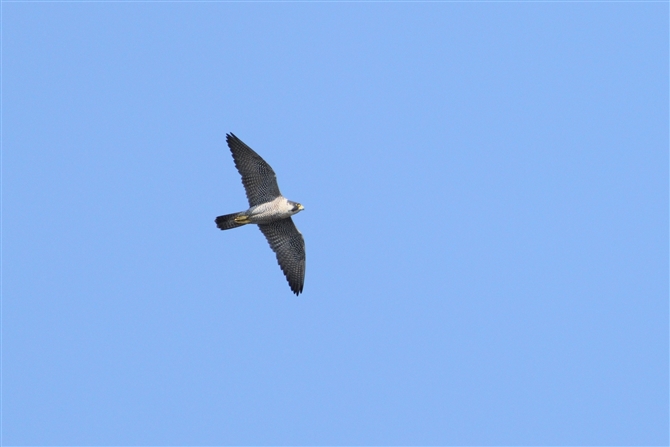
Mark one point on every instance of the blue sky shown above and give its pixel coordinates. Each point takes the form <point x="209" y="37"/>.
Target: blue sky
<point x="486" y="194"/>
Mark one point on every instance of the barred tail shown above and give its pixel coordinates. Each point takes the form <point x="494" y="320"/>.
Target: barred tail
<point x="228" y="221"/>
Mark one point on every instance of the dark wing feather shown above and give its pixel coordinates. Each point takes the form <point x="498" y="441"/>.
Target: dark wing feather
<point x="287" y="242"/>
<point x="258" y="178"/>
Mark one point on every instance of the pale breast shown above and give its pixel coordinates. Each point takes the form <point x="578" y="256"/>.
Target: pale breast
<point x="267" y="212"/>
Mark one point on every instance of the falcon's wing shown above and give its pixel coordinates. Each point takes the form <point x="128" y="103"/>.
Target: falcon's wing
<point x="287" y="242"/>
<point x="258" y="178"/>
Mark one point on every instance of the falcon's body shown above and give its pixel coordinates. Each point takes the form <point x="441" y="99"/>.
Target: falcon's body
<point x="269" y="210"/>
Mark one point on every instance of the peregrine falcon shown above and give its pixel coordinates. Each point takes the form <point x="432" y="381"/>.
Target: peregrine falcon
<point x="269" y="210"/>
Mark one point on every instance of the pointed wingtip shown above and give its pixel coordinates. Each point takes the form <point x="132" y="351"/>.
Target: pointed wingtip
<point x="234" y="142"/>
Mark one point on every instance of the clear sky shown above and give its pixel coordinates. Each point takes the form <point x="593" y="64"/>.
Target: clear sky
<point x="486" y="221"/>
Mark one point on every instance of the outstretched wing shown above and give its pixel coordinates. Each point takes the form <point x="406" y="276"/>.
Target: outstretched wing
<point x="287" y="242"/>
<point x="258" y="178"/>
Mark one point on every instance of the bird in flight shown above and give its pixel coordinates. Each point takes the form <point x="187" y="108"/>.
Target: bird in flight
<point x="269" y="210"/>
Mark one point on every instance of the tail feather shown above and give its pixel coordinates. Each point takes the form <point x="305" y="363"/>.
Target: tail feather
<point x="227" y="221"/>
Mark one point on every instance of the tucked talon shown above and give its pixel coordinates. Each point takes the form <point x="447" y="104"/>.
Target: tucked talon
<point x="242" y="219"/>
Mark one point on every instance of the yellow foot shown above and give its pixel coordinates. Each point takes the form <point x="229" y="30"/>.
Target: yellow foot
<point x="242" y="219"/>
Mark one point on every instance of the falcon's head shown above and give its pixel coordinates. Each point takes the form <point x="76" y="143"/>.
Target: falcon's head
<point x="296" y="207"/>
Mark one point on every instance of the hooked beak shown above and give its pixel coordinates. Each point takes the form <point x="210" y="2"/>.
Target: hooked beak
<point x="300" y="207"/>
